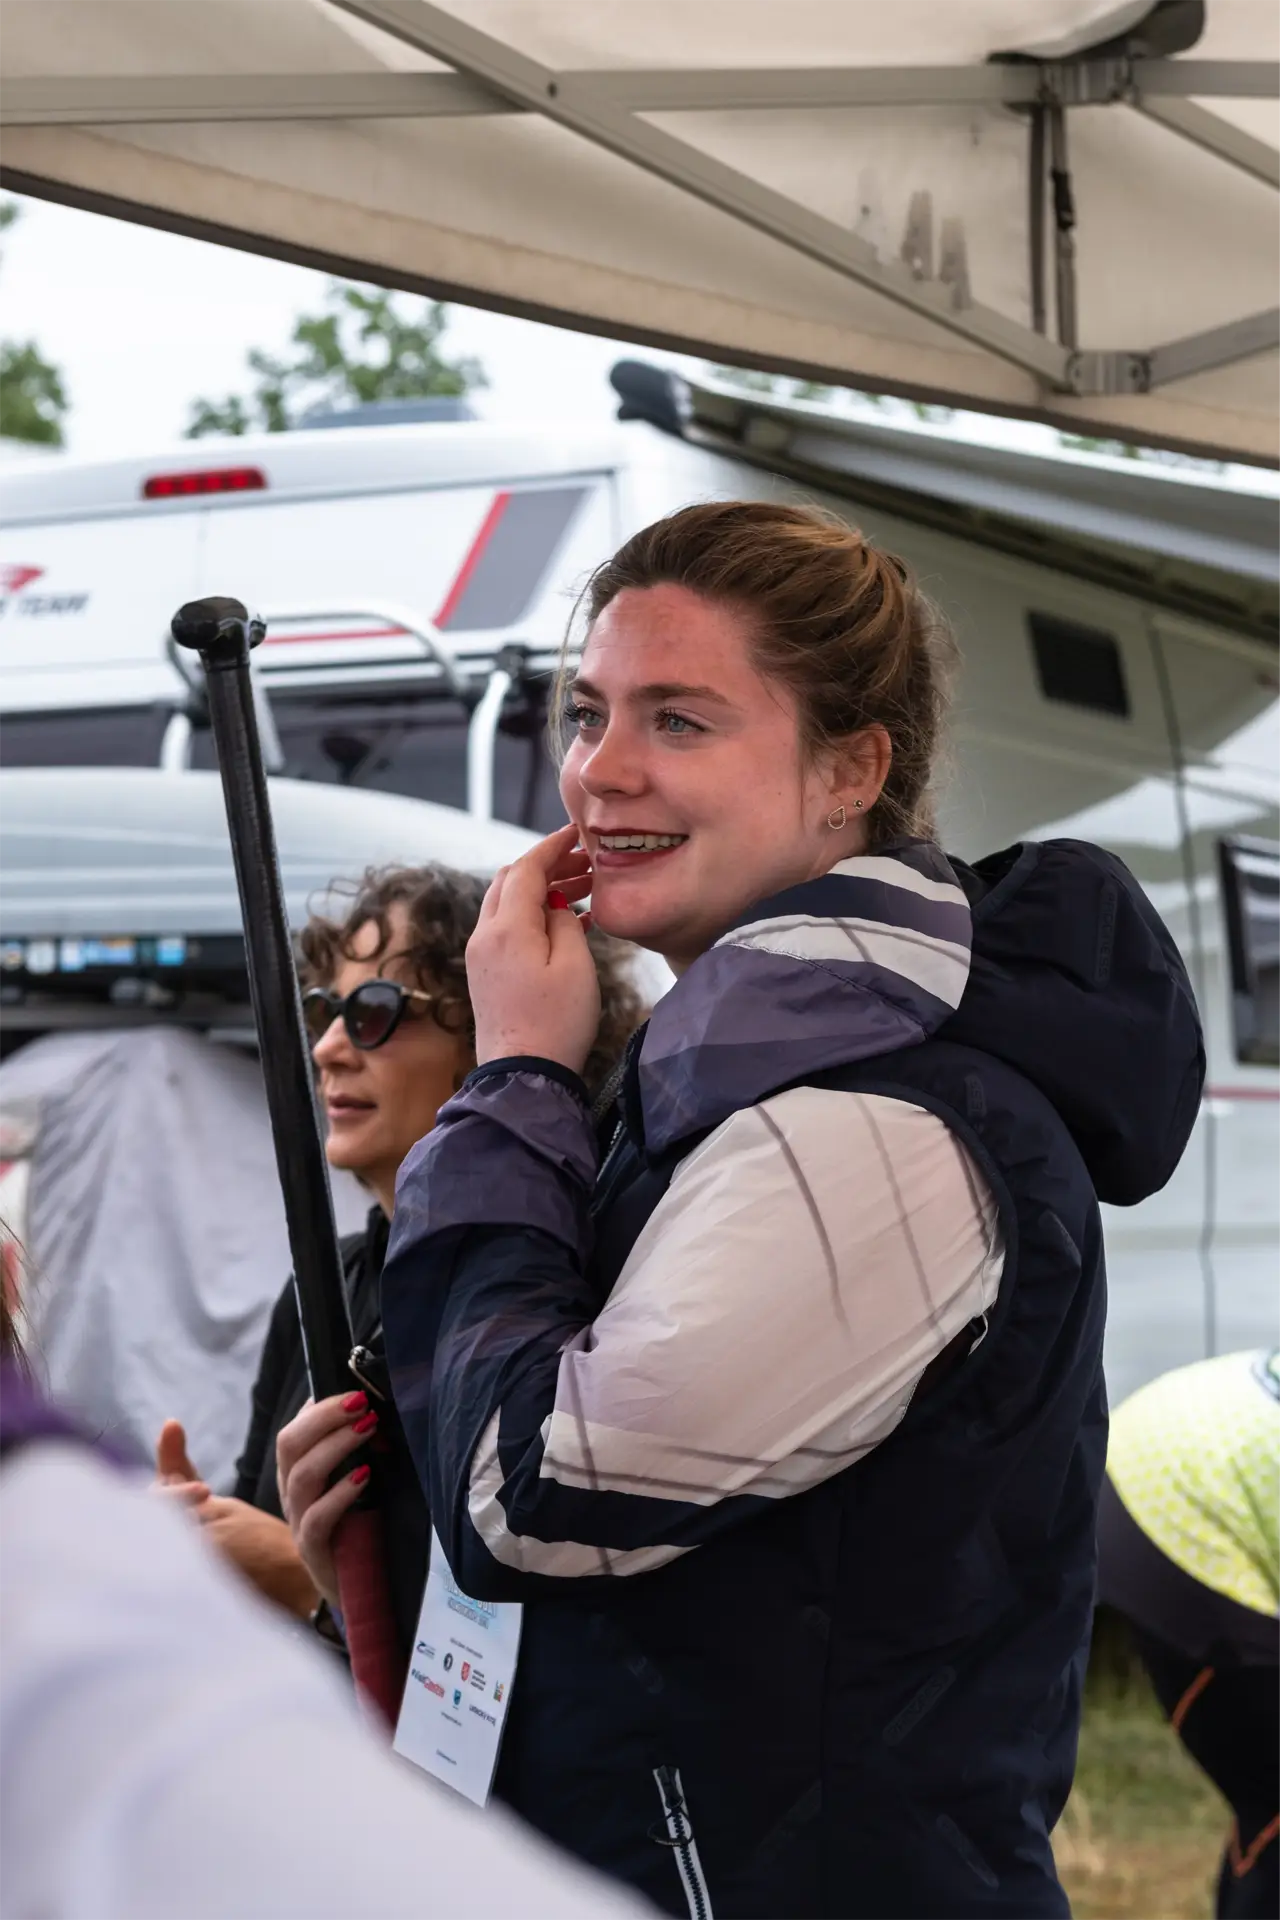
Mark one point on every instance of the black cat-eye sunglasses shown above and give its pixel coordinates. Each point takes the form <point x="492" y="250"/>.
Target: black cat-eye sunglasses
<point x="370" y="1013"/>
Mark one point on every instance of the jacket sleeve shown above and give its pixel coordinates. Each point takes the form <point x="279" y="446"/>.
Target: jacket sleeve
<point x="768" y="1329"/>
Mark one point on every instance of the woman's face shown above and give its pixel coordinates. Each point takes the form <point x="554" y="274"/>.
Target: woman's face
<point x="678" y="737"/>
<point x="380" y="1104"/>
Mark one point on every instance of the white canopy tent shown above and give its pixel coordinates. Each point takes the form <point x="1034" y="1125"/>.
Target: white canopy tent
<point x="1057" y="208"/>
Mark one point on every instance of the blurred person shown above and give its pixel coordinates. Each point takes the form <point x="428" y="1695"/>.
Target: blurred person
<point x="778" y="1401"/>
<point x="168" y="1747"/>
<point x="1189" y="1553"/>
<point x="386" y="1001"/>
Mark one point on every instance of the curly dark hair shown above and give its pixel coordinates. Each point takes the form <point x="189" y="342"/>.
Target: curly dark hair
<point x="441" y="906"/>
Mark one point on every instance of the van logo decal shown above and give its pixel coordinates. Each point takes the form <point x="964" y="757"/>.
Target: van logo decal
<point x="14" y="578"/>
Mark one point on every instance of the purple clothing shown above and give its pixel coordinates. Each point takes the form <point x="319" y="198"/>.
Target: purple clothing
<point x="27" y="1414"/>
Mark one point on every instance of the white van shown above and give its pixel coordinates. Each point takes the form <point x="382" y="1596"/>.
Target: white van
<point x="1118" y="624"/>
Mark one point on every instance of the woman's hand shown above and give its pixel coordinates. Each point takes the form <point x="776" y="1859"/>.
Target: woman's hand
<point x="308" y="1452"/>
<point x="262" y="1548"/>
<point x="176" y="1479"/>
<point x="533" y="982"/>
<point x="257" y="1543"/>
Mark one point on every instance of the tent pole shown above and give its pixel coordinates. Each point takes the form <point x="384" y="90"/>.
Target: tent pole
<point x="1035" y="212"/>
<point x="1064" y="217"/>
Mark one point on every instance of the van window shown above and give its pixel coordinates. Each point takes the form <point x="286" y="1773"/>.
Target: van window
<point x="397" y="742"/>
<point x="1251" y="899"/>
<point x="84" y="737"/>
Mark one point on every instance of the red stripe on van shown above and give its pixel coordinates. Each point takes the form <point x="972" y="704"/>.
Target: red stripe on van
<point x="474" y="556"/>
<point x="1242" y="1093"/>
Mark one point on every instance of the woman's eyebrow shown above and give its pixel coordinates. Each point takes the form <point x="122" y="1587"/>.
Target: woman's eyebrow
<point x="656" y="690"/>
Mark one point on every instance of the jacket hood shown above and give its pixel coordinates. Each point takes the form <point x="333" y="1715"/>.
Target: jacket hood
<point x="1049" y="957"/>
<point x="1076" y="983"/>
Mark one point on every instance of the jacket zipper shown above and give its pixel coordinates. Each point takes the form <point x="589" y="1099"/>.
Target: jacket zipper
<point x="680" y="1840"/>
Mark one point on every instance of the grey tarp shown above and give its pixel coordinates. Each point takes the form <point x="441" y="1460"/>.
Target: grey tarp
<point x="155" y="1232"/>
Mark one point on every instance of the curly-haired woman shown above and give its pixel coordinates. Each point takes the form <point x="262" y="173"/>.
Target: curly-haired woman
<point x="387" y="1005"/>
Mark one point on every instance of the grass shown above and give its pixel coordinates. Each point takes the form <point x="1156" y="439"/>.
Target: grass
<point x="1143" y="1830"/>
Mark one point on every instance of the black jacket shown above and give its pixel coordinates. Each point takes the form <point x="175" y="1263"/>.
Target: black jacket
<point x="281" y="1390"/>
<point x="861" y="1699"/>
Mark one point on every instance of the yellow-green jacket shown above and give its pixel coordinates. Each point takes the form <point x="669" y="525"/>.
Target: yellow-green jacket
<point x="1195" y="1458"/>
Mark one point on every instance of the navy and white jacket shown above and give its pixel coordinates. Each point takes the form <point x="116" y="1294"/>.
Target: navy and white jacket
<point x="787" y="1422"/>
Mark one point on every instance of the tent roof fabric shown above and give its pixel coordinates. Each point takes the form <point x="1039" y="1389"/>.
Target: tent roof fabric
<point x="852" y="199"/>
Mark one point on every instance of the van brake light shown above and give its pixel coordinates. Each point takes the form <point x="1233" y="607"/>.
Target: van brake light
<point x="173" y="486"/>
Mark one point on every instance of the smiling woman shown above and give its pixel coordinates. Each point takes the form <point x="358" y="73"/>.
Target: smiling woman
<point x="784" y="1416"/>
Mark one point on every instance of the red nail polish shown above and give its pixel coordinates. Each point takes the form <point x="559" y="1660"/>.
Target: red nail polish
<point x="366" y="1425"/>
<point x="355" y="1403"/>
<point x="360" y="1475"/>
<point x="556" y="900"/>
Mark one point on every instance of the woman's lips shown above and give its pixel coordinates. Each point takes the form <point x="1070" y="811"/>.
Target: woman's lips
<point x="343" y="1109"/>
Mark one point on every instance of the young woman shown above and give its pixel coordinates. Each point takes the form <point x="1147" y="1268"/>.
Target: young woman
<point x="1189" y="1552"/>
<point x="386" y="1001"/>
<point x="786" y="1420"/>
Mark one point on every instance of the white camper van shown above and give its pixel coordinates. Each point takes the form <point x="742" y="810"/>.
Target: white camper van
<point x="1118" y="623"/>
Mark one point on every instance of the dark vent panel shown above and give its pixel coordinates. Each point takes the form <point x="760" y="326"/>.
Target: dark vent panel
<point x="1080" y="666"/>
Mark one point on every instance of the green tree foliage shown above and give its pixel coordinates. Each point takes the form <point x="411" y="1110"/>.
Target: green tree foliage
<point x="368" y="345"/>
<point x="33" y="401"/>
<point x="1125" y="450"/>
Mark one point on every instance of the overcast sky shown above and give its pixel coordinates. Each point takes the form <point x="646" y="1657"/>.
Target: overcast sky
<point x="142" y="322"/>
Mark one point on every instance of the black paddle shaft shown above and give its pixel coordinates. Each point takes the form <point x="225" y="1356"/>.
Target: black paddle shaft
<point x="222" y="633"/>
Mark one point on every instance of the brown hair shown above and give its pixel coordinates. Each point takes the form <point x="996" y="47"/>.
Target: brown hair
<point x="12" y="1268"/>
<point x="837" y="621"/>
<point x="441" y="907"/>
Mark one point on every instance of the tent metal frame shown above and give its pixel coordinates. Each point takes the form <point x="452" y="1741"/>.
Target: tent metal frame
<point x="489" y="76"/>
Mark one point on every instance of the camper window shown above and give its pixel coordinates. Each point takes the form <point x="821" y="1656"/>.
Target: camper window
<point x="1077" y="665"/>
<point x="1251" y="900"/>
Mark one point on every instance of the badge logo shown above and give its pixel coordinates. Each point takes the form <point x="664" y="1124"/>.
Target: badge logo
<point x="499" y="1688"/>
<point x="427" y="1651"/>
<point x="457" y="1696"/>
<point x="448" y="1661"/>
<point x="466" y="1669"/>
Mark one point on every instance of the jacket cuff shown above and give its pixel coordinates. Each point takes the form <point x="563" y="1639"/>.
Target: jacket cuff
<point x="513" y="1148"/>
<point x="531" y="1063"/>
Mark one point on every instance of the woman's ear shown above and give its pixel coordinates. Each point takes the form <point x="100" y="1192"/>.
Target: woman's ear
<point x="860" y="769"/>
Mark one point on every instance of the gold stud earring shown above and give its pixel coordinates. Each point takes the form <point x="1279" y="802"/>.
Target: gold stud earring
<point x="835" y="823"/>
<point x="858" y="805"/>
